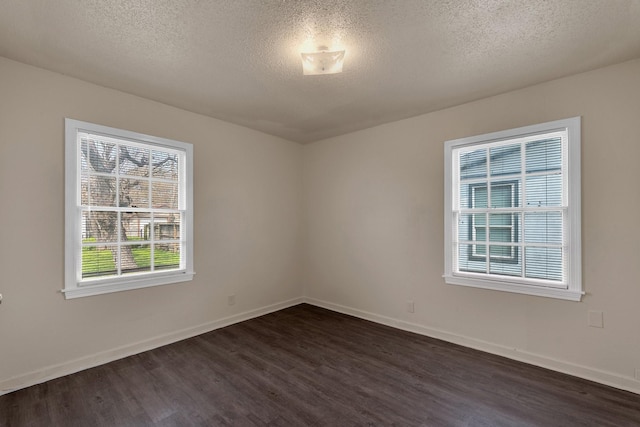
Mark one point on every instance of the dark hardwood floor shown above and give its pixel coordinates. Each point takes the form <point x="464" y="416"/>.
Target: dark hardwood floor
<point x="306" y="366"/>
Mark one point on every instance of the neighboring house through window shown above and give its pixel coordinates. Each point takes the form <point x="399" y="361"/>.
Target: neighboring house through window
<point x="129" y="210"/>
<point x="515" y="196"/>
<point x="502" y="228"/>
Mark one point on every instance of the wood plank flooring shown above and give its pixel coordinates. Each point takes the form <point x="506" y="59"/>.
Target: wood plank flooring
<point x="306" y="366"/>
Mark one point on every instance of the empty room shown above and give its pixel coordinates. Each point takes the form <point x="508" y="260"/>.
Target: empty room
<point x="327" y="213"/>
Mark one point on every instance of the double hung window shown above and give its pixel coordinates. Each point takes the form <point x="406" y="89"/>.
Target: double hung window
<point x="512" y="210"/>
<point x="129" y="216"/>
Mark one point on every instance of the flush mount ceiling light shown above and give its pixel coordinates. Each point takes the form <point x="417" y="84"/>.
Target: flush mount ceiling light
<point x="322" y="62"/>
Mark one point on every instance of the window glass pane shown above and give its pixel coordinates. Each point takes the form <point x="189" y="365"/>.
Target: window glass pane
<point x="134" y="193"/>
<point x="167" y="227"/>
<point x="505" y="260"/>
<point x="99" y="226"/>
<point x="100" y="154"/>
<point x="503" y="227"/>
<point x="465" y="196"/>
<point x="479" y="229"/>
<point x="167" y="256"/>
<point x="84" y="190"/>
<point x="136" y="226"/>
<point x="465" y="224"/>
<point x="503" y="220"/>
<point x="84" y="163"/>
<point x="99" y="261"/>
<point x="473" y="164"/>
<point x="544" y="155"/>
<point x="543" y="191"/>
<point x="164" y="195"/>
<point x="165" y="165"/>
<point x="134" y="161"/>
<point x="543" y="227"/>
<point x="505" y="160"/>
<point x="478" y="196"/>
<point x="468" y="262"/>
<point x="479" y="233"/>
<point x="504" y="195"/>
<point x="499" y="252"/>
<point x="135" y="258"/>
<point x="102" y="191"/>
<point x="543" y="263"/>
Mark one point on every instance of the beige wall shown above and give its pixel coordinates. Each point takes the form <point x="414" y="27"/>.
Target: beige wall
<point x="247" y="188"/>
<point x="374" y="229"/>
<point x="354" y="223"/>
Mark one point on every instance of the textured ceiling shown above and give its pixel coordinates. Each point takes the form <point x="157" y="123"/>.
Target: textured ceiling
<point x="239" y="60"/>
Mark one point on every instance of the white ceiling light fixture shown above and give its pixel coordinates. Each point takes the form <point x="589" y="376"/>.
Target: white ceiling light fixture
<point x="322" y="62"/>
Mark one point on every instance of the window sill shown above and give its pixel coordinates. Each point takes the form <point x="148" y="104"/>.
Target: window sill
<point x="540" y="291"/>
<point x="98" y="288"/>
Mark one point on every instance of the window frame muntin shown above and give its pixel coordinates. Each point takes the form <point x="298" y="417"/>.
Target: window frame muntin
<point x="74" y="286"/>
<point x="572" y="254"/>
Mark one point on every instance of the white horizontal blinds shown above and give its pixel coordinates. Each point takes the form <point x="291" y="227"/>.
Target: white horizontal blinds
<point x="168" y="201"/>
<point x="131" y="210"/>
<point x="471" y="214"/>
<point x="545" y="198"/>
<point x="505" y="253"/>
<point x="98" y="198"/>
<point x="510" y="207"/>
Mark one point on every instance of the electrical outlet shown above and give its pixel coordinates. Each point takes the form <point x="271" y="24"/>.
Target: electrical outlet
<point x="596" y="319"/>
<point x="410" y="307"/>
<point x="231" y="300"/>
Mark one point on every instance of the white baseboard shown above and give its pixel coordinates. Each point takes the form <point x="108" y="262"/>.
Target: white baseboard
<point x="596" y="375"/>
<point x="86" y="362"/>
<point x="60" y="370"/>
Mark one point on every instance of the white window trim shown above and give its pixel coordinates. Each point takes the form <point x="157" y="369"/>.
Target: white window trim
<point x="74" y="286"/>
<point x="572" y="287"/>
